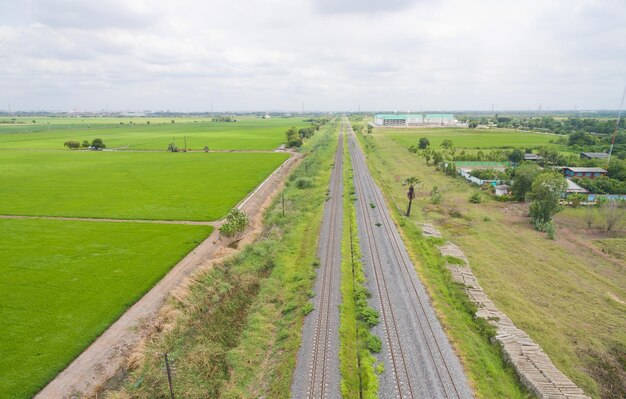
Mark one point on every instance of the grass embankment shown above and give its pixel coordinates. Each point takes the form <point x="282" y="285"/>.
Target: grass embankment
<point x="237" y="333"/>
<point x="129" y="185"/>
<point x="63" y="284"/>
<point x="145" y="133"/>
<point x="473" y="138"/>
<point x="485" y="367"/>
<point x="566" y="294"/>
<point x="358" y="368"/>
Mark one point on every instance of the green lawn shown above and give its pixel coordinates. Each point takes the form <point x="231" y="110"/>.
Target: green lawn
<point x="159" y="185"/>
<point x="136" y="133"/>
<point x="472" y="138"/>
<point x="64" y="282"/>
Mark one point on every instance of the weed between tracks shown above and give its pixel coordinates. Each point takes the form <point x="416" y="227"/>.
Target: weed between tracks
<point x="358" y="376"/>
<point x="485" y="367"/>
<point x="236" y="334"/>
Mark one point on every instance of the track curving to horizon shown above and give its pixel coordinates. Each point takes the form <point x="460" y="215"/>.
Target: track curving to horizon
<point x="418" y="358"/>
<point x="317" y="367"/>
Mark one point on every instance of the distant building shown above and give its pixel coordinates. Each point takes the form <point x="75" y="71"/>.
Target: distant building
<point x="594" y="155"/>
<point x="532" y="157"/>
<point x="591" y="173"/>
<point x="573" y="188"/>
<point x="415" y="120"/>
<point x="439" y="119"/>
<point x="398" y="119"/>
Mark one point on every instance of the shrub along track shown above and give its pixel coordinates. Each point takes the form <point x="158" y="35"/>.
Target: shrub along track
<point x="317" y="369"/>
<point x="415" y="349"/>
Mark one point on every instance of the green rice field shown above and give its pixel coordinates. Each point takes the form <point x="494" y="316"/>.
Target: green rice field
<point x="129" y="185"/>
<point x="148" y="133"/>
<point x="473" y="138"/>
<point x="64" y="282"/>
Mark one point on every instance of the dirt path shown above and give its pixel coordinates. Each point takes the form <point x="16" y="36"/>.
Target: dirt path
<point x="154" y="221"/>
<point x="107" y="355"/>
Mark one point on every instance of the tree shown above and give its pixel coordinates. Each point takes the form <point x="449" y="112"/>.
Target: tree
<point x="437" y="158"/>
<point x="581" y="138"/>
<point x="547" y="189"/>
<point x="516" y="156"/>
<point x="413" y="149"/>
<point x="206" y="148"/>
<point x="412" y="182"/>
<point x="613" y="214"/>
<point x="576" y="199"/>
<point x="447" y="144"/>
<point x="85" y="144"/>
<point x="171" y="147"/>
<point x="523" y="179"/>
<point x="590" y="216"/>
<point x="293" y="138"/>
<point x="97" y="144"/>
<point x="71" y="144"/>
<point x="423" y="143"/>
<point x="427" y="156"/>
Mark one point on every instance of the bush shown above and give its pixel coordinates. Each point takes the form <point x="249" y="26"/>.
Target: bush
<point x="551" y="230"/>
<point x="72" y="144"/>
<point x="236" y="222"/>
<point x="304" y="182"/>
<point x="435" y="195"/>
<point x="374" y="344"/>
<point x="475" y="198"/>
<point x="369" y="316"/>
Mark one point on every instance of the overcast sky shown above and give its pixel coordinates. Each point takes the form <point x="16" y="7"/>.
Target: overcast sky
<point x="404" y="55"/>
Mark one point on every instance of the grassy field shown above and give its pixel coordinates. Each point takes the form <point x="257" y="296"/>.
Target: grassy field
<point x="183" y="186"/>
<point x="472" y="138"/>
<point x="64" y="282"/>
<point x="568" y="294"/>
<point x="137" y="134"/>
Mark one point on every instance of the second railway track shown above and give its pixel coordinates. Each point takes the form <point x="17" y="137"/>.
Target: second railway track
<point x="419" y="359"/>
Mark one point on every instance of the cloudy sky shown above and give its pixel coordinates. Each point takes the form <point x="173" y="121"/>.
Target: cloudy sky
<point x="188" y="55"/>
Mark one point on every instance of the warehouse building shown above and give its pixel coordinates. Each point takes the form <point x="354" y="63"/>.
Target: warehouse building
<point x="398" y="120"/>
<point x="415" y="120"/>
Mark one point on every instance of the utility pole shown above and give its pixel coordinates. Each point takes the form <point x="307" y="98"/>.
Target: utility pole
<point x="619" y="117"/>
<point x="169" y="375"/>
<point x="283" y="200"/>
<point x="185" y="143"/>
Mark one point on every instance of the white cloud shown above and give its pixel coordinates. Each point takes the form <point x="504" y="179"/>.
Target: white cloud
<point x="270" y="54"/>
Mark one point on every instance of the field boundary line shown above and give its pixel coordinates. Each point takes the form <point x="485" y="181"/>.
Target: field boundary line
<point x="215" y="224"/>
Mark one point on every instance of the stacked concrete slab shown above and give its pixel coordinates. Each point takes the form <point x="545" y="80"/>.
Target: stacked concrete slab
<point x="533" y="366"/>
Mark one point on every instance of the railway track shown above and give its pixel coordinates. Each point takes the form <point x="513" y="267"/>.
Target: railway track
<point x="317" y="369"/>
<point x="418" y="357"/>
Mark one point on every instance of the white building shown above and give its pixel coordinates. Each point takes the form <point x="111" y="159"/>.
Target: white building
<point x="415" y="120"/>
